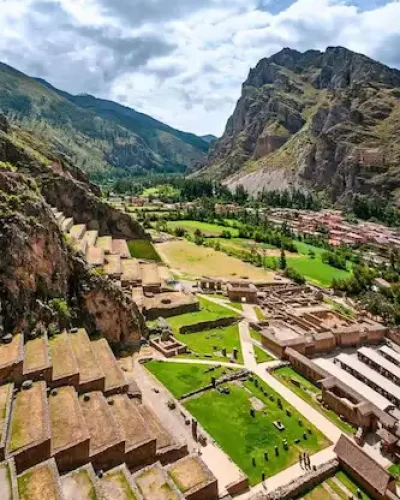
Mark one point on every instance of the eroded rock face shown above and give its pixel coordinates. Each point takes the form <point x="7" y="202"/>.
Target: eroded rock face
<point x="37" y="265"/>
<point x="308" y="118"/>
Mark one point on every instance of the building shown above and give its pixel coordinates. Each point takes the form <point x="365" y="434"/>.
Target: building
<point x="242" y="291"/>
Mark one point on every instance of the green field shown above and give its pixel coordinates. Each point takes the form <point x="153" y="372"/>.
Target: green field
<point x="209" y="344"/>
<point x="143" y="249"/>
<point x="308" y="391"/>
<point x="206" y="228"/>
<point x="261" y="355"/>
<point x="338" y="484"/>
<point x="226" y="417"/>
<point x="315" y="270"/>
<point x="208" y="311"/>
<point x="181" y="378"/>
<point x="255" y="335"/>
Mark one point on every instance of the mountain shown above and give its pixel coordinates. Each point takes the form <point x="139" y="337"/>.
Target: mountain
<point x="322" y="121"/>
<point x="209" y="138"/>
<point x="102" y="137"/>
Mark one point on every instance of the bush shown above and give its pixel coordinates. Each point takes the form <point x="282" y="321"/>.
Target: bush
<point x="295" y="276"/>
<point x="180" y="232"/>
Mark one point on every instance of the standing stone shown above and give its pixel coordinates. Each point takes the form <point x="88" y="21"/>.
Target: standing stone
<point x="194" y="429"/>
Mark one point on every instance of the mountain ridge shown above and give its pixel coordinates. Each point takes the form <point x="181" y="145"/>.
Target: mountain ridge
<point x="320" y="121"/>
<point x="103" y="138"/>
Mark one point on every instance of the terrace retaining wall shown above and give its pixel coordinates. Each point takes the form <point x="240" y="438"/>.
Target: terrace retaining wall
<point x="238" y="487"/>
<point x="301" y="485"/>
<point x="170" y="310"/>
<point x="208" y="325"/>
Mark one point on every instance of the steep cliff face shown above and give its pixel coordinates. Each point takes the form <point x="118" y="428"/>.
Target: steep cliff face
<point x="321" y="121"/>
<point x="38" y="266"/>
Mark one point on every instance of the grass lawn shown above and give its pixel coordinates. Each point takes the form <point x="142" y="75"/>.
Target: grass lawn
<point x="350" y="485"/>
<point x="308" y="391"/>
<point x="208" y="311"/>
<point x="206" y="228"/>
<point x="260" y="315"/>
<point x="209" y="344"/>
<point x="143" y="249"/>
<point x="261" y="355"/>
<point x="181" y="378"/>
<point x="236" y="305"/>
<point x="315" y="270"/>
<point x="318" y="493"/>
<point x="194" y="261"/>
<point x="255" y="335"/>
<point x="304" y="248"/>
<point x="227" y="419"/>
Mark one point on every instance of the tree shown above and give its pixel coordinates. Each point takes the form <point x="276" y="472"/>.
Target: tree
<point x="282" y="259"/>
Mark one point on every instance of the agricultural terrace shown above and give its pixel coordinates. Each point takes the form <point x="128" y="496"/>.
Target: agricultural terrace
<point x="206" y="228"/>
<point x="182" y="378"/>
<point x="340" y="486"/>
<point x="249" y="440"/>
<point x="309" y="392"/>
<point x="197" y="261"/>
<point x="143" y="249"/>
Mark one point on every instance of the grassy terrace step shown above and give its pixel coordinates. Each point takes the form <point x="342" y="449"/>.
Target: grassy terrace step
<point x="115" y="379"/>
<point x="91" y="376"/>
<point x="155" y="428"/>
<point x="91" y="237"/>
<point x="150" y="275"/>
<point x="113" y="266"/>
<point x="140" y="444"/>
<point x="65" y="366"/>
<point x="77" y="231"/>
<point x="6" y="393"/>
<point x="29" y="435"/>
<point x="11" y="357"/>
<point x="121" y="248"/>
<point x="105" y="243"/>
<point x="37" y="364"/>
<point x="154" y="484"/>
<point x="117" y="484"/>
<point x="131" y="272"/>
<point x="95" y="256"/>
<point x="107" y="445"/>
<point x="81" y="484"/>
<point x="40" y="482"/>
<point x="8" y="481"/>
<point x="69" y="434"/>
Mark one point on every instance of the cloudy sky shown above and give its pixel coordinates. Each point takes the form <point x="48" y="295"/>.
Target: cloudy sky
<point x="182" y="61"/>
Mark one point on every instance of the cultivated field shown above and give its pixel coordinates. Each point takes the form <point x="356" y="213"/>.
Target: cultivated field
<point x="206" y="228"/>
<point x="197" y="261"/>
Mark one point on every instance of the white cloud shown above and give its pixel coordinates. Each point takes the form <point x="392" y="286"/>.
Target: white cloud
<point x="183" y="63"/>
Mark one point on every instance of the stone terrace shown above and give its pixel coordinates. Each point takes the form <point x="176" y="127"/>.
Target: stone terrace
<point x="40" y="482"/>
<point x="65" y="366"/>
<point x="114" y="378"/>
<point x="154" y="484"/>
<point x="37" y="363"/>
<point x="117" y="484"/>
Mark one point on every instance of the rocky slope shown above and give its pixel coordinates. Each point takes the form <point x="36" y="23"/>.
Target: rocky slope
<point x="104" y="138"/>
<point x="36" y="263"/>
<point x="321" y="121"/>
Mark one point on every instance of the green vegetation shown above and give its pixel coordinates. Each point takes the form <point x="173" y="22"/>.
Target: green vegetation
<point x="255" y="335"/>
<point x="143" y="249"/>
<point x="395" y="470"/>
<point x="261" y="355"/>
<point x="209" y="311"/>
<point x="351" y="485"/>
<point x="315" y="270"/>
<point x="260" y="315"/>
<point x="309" y="391"/>
<point x="245" y="438"/>
<point x="182" y="378"/>
<point x="210" y="343"/>
<point x="318" y="493"/>
<point x="163" y="192"/>
<point x="206" y="228"/>
<point x="236" y="305"/>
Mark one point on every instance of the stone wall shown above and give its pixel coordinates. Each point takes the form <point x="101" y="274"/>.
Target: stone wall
<point x="305" y="366"/>
<point x="238" y="487"/>
<point x="172" y="453"/>
<point x="171" y="310"/>
<point x="109" y="457"/>
<point x="142" y="454"/>
<point x="73" y="457"/>
<point x="301" y="485"/>
<point x="208" y="325"/>
<point x="240" y="374"/>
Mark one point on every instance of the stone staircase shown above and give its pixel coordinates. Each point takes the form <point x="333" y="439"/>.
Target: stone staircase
<point x="111" y="256"/>
<point x="66" y="398"/>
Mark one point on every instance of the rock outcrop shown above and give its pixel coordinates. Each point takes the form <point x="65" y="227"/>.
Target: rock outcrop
<point x="41" y="276"/>
<point x="319" y="121"/>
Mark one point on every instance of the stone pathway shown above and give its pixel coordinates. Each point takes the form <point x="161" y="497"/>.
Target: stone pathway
<point x="249" y="312"/>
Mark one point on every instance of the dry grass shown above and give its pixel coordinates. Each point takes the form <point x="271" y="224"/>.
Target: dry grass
<point x="99" y="421"/>
<point x="105" y="243"/>
<point x="4" y="395"/>
<point x="78" y="486"/>
<point x="132" y="424"/>
<point x="35" y="354"/>
<point x="187" y="474"/>
<point x="154" y="486"/>
<point x="65" y="418"/>
<point x="9" y="352"/>
<point x="27" y="423"/>
<point x="114" y="376"/>
<point x="116" y="486"/>
<point x="62" y="355"/>
<point x="38" y="484"/>
<point x="197" y="261"/>
<point x="89" y="368"/>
